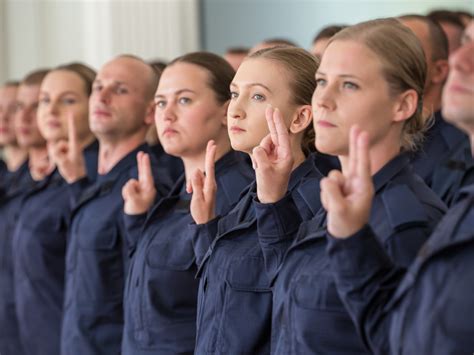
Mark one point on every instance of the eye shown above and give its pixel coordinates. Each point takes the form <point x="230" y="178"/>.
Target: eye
<point x="120" y="90"/>
<point x="320" y="82"/>
<point x="234" y="95"/>
<point x="184" y="100"/>
<point x="97" y="87"/>
<point x="160" y="103"/>
<point x="258" y="97"/>
<point x="349" y="85"/>
<point x="69" y="101"/>
<point x="44" y="101"/>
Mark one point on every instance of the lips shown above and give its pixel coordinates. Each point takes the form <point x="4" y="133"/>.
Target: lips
<point x="237" y="129"/>
<point x="326" y="124"/>
<point x="169" y="131"/>
<point x="54" y="124"/>
<point x="102" y="112"/>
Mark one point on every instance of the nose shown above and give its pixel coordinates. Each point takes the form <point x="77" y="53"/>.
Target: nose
<point x="323" y="97"/>
<point x="236" y="110"/>
<point x="167" y="113"/>
<point x="104" y="95"/>
<point x="53" y="107"/>
<point x="462" y="59"/>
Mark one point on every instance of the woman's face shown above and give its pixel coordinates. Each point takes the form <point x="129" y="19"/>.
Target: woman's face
<point x="259" y="82"/>
<point x="62" y="94"/>
<point x="351" y="90"/>
<point x="187" y="112"/>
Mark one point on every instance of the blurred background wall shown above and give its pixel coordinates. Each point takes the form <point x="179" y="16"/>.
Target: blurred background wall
<point x="45" y="33"/>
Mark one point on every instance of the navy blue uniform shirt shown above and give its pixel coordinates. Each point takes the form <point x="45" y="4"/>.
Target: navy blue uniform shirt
<point x="308" y="315"/>
<point x="161" y="290"/>
<point x="445" y="161"/>
<point x="96" y="262"/>
<point x="428" y="309"/>
<point x="235" y="300"/>
<point x="173" y="164"/>
<point x="17" y="183"/>
<point x="39" y="250"/>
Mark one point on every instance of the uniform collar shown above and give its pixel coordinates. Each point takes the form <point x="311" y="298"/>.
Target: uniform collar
<point x="124" y="164"/>
<point x="391" y="169"/>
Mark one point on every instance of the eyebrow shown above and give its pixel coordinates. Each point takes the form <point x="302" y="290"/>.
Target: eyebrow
<point x="254" y="84"/>
<point x="176" y="93"/>
<point x="340" y="75"/>
<point x="62" y="94"/>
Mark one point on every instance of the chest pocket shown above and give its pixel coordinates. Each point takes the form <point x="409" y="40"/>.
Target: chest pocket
<point x="248" y="274"/>
<point x="173" y="254"/>
<point x="317" y="292"/>
<point x="98" y="235"/>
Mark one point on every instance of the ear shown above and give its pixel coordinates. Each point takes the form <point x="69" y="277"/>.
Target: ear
<point x="150" y="113"/>
<point x="224" y="109"/>
<point x="406" y="105"/>
<point x="440" y="71"/>
<point x="302" y="119"/>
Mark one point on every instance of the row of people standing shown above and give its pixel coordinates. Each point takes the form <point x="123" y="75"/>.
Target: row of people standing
<point x="256" y="244"/>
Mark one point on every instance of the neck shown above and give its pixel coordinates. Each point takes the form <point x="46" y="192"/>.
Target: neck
<point x="112" y="151"/>
<point x="85" y="141"/>
<point x="36" y="154"/>
<point x="379" y="155"/>
<point x="197" y="161"/>
<point x="432" y="100"/>
<point x="14" y="156"/>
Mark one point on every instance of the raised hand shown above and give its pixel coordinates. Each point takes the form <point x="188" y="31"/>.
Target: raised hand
<point x="204" y="188"/>
<point x="347" y="197"/>
<point x="67" y="155"/>
<point x="138" y="195"/>
<point x="273" y="159"/>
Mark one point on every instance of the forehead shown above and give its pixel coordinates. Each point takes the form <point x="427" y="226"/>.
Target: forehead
<point x="349" y="57"/>
<point x="28" y="93"/>
<point x="180" y="76"/>
<point x="124" y="70"/>
<point x="261" y="70"/>
<point x="60" y="80"/>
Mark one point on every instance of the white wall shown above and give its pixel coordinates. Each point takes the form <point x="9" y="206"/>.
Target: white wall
<point x="46" y="33"/>
<point x="229" y="23"/>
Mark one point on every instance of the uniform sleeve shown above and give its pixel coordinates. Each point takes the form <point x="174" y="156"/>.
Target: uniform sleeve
<point x="366" y="280"/>
<point x="202" y="236"/>
<point x="133" y="230"/>
<point x="277" y="226"/>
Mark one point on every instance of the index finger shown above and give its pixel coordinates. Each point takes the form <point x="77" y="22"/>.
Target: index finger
<point x="210" y="164"/>
<point x="282" y="131"/>
<point x="145" y="175"/>
<point x="363" y="156"/>
<point x="269" y="112"/>
<point x="72" y="133"/>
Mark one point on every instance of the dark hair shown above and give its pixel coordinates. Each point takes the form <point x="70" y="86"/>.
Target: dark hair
<point x="237" y="50"/>
<point x="158" y="65"/>
<point x="220" y="71"/>
<point x="438" y="39"/>
<point x="301" y="67"/>
<point x="280" y="42"/>
<point x="86" y="73"/>
<point x="34" y="77"/>
<point x="11" y="83"/>
<point x="446" y="16"/>
<point x="328" y="32"/>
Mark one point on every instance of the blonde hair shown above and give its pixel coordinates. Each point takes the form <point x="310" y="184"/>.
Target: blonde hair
<point x="301" y="67"/>
<point x="403" y="66"/>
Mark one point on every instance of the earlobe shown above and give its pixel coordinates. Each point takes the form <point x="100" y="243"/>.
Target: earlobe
<point x="150" y="114"/>
<point x="407" y="105"/>
<point x="225" y="108"/>
<point x="441" y="69"/>
<point x="303" y="118"/>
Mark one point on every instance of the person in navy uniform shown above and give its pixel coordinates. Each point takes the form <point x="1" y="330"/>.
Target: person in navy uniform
<point x="19" y="182"/>
<point x="39" y="241"/>
<point x="270" y="97"/>
<point x="370" y="90"/>
<point x="161" y="291"/>
<point x="429" y="308"/>
<point x="444" y="159"/>
<point x="121" y="109"/>
<point x="13" y="154"/>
